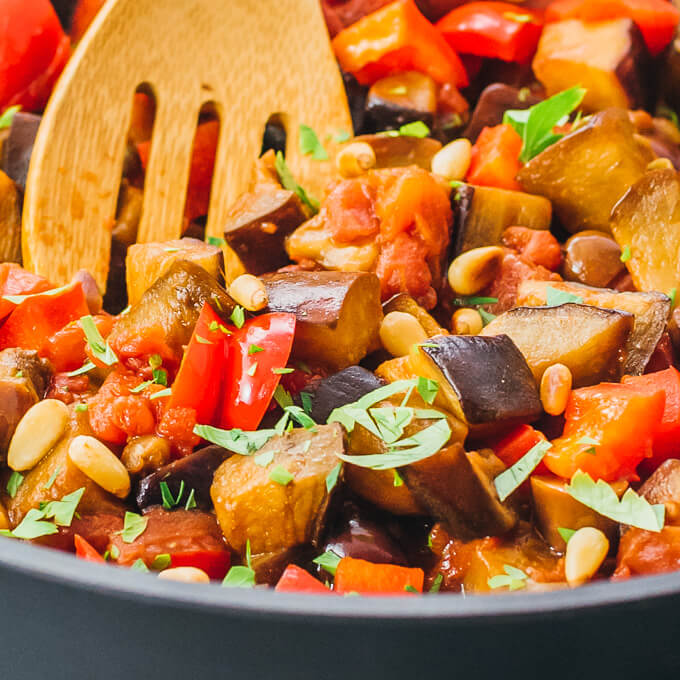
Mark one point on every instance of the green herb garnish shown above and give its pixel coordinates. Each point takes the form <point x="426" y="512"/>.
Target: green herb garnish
<point x="473" y="300"/>
<point x="161" y="393"/>
<point x="8" y="116"/>
<point x="625" y="254"/>
<point x="169" y="500"/>
<point x="566" y="534"/>
<point x="253" y="368"/>
<point x="513" y="579"/>
<point x="427" y="389"/>
<point x="288" y="182"/>
<point x="328" y="561"/>
<point x="191" y="500"/>
<point x="555" y="297"/>
<point x="332" y="477"/>
<point x="162" y="561"/>
<point x="398" y="481"/>
<point x="281" y="476"/>
<point x="85" y="368"/>
<point x="140" y="565"/>
<point x="53" y="478"/>
<point x="342" y="136"/>
<point x="511" y="478"/>
<point x="134" y="526"/>
<point x="215" y="241"/>
<point x="13" y="483"/>
<point x="99" y="347"/>
<point x="264" y="459"/>
<point x="33" y="525"/>
<point x="80" y="408"/>
<point x="415" y="129"/>
<point x="310" y="144"/>
<point x="254" y="349"/>
<point x="436" y="584"/>
<point x="238" y="316"/>
<point x="282" y="371"/>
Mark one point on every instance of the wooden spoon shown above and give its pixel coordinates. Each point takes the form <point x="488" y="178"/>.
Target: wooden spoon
<point x="250" y="58"/>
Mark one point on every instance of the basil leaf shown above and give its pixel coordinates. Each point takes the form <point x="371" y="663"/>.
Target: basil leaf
<point x="310" y="144"/>
<point x="134" y="526"/>
<point x="632" y="509"/>
<point x="535" y="125"/>
<point x="328" y="561"/>
<point x="511" y="478"/>
<point x="100" y="348"/>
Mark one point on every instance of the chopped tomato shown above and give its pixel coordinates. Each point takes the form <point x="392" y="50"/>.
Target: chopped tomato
<point x="135" y="345"/>
<point x="349" y="210"/>
<point x="296" y="580"/>
<point x="667" y="438"/>
<point x="394" y="39"/>
<point x="366" y="578"/>
<point x="85" y="551"/>
<point x="14" y="280"/>
<point x="621" y="419"/>
<point x="495" y="158"/>
<point x="499" y="30"/>
<point x="177" y="426"/>
<point x="538" y="246"/>
<point x="656" y="19"/>
<point x="66" y="348"/>
<point x="33" y="51"/>
<point x="646" y="552"/>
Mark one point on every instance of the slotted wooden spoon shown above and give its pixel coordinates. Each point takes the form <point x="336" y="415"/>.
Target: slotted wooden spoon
<point x="250" y="58"/>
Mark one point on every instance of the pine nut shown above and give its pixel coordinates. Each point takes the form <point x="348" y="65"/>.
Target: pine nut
<point x="96" y="460"/>
<point x="42" y="426"/>
<point x="399" y="331"/>
<point x="145" y="454"/>
<point x="586" y="551"/>
<point x="466" y="322"/>
<point x="249" y="292"/>
<point x="475" y="269"/>
<point x="355" y="159"/>
<point x="185" y="575"/>
<point x="4" y="519"/>
<point x="453" y="161"/>
<point x="555" y="389"/>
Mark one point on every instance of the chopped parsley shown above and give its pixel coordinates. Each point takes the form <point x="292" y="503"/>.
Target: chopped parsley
<point x="191" y="500"/>
<point x="427" y="389"/>
<point x="555" y="297"/>
<point x="328" y="561"/>
<point x="169" y="500"/>
<point x="671" y="295"/>
<point x="398" y="481"/>
<point x="8" y="116"/>
<point x="215" y="241"/>
<point x="306" y="399"/>
<point x="134" y="526"/>
<point x="625" y="254"/>
<point x="254" y="349"/>
<point x="342" y="136"/>
<point x="410" y="589"/>
<point x="64" y="510"/>
<point x="436" y="584"/>
<point x="13" y="484"/>
<point x="566" y="534"/>
<point x="85" y="368"/>
<point x="161" y="393"/>
<point x="53" y="478"/>
<point x="265" y="458"/>
<point x="282" y="371"/>
<point x="241" y="576"/>
<point x="282" y="396"/>
<point x="590" y="443"/>
<point x="513" y="579"/>
<point x="253" y="368"/>
<point x="80" y="408"/>
<point x="99" y="347"/>
<point x="281" y="476"/>
<point x="162" y="561"/>
<point x="473" y="300"/>
<point x="288" y="182"/>
<point x="415" y="129"/>
<point x="160" y="376"/>
<point x="238" y="316"/>
<point x="332" y="477"/>
<point x="140" y="565"/>
<point x="33" y="525"/>
<point x="310" y="144"/>
<point x="511" y="478"/>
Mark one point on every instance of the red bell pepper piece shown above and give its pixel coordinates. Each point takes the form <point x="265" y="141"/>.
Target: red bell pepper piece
<point x="202" y="370"/>
<point x="495" y="158"/>
<point x="202" y="166"/>
<point x="397" y="38"/>
<point x="623" y="421"/>
<point x="667" y="438"/>
<point x="14" y="280"/>
<point x="296" y="580"/>
<point x="517" y="443"/>
<point x="656" y="19"/>
<point x="33" y="52"/>
<point x="41" y="315"/>
<point x="499" y="30"/>
<point x="85" y="551"/>
<point x="366" y="578"/>
<point x="255" y="352"/>
<point x="215" y="563"/>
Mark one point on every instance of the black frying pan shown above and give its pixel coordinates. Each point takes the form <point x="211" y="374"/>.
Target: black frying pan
<point x="65" y="619"/>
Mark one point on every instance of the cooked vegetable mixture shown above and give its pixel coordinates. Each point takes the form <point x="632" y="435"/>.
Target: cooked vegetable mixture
<point x="453" y="371"/>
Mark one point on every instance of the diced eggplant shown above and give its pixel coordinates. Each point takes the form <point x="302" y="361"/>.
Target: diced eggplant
<point x="145" y="454"/>
<point x="456" y="487"/>
<point x="170" y="533"/>
<point x="258" y="224"/>
<point x="482" y="214"/>
<point x="651" y="312"/>
<point x="10" y="220"/>
<point x="342" y="388"/>
<point x="23" y="381"/>
<point x="493" y="102"/>
<point x="338" y="314"/>
<point x="555" y="508"/>
<point x="402" y="98"/>
<point x="274" y="516"/>
<point x="356" y="98"/>
<point x="592" y="258"/>
<point x="590" y="341"/>
<point x="172" y="304"/>
<point x="663" y="486"/>
<point x="147" y="262"/>
<point x="401" y="150"/>
<point x="484" y="381"/>
<point x="269" y="567"/>
<point x="55" y="476"/>
<point x="403" y="302"/>
<point x="647" y="222"/>
<point x="589" y="170"/>
<point x="607" y="58"/>
<point x="191" y="473"/>
<point x="18" y="147"/>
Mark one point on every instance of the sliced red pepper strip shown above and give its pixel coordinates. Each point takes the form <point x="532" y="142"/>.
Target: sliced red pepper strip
<point x="255" y="352"/>
<point x="499" y="30"/>
<point x="40" y="316"/>
<point x="656" y="19"/>
<point x="215" y="563"/>
<point x="495" y="158"/>
<point x="394" y="39"/>
<point x="296" y="580"/>
<point x="202" y="370"/>
<point x="366" y="578"/>
<point x="621" y="420"/>
<point x="85" y="551"/>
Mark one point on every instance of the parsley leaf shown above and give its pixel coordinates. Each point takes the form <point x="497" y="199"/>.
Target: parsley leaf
<point x="427" y="389"/>
<point x="328" y="561"/>
<point x="398" y="481"/>
<point x="436" y="584"/>
<point x="332" y="477"/>
<point x="555" y="297"/>
<point x="625" y="254"/>
<point x="134" y="526"/>
<point x="13" y="483"/>
<point x="288" y="182"/>
<point x="306" y="399"/>
<point x="100" y="348"/>
<point x="281" y="476"/>
<point x="8" y="116"/>
<point x="191" y="500"/>
<point x="566" y="534"/>
<point x="511" y="478"/>
<point x="140" y="565"/>
<point x="254" y="349"/>
<point x="239" y="577"/>
<point x="169" y="501"/>
<point x="236" y="440"/>
<point x="80" y="408"/>
<point x="513" y="579"/>
<point x="264" y="459"/>
<point x="472" y="300"/>
<point x="536" y="125"/>
<point x="632" y="509"/>
<point x="215" y="241"/>
<point x="342" y="136"/>
<point x="63" y="511"/>
<point x="161" y="393"/>
<point x="85" y="368"/>
<point x="300" y="417"/>
<point x="33" y="525"/>
<point x="310" y="144"/>
<point x="53" y="478"/>
<point x="282" y="396"/>
<point x="252" y="370"/>
<point x="18" y="299"/>
<point x="238" y="316"/>
<point x="415" y="129"/>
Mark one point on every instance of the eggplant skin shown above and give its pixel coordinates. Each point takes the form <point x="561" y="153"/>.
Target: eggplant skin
<point x="18" y="147"/>
<point x="196" y="471"/>
<point x="338" y="314"/>
<point x="663" y="486"/>
<point x="488" y="375"/>
<point x="339" y="389"/>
